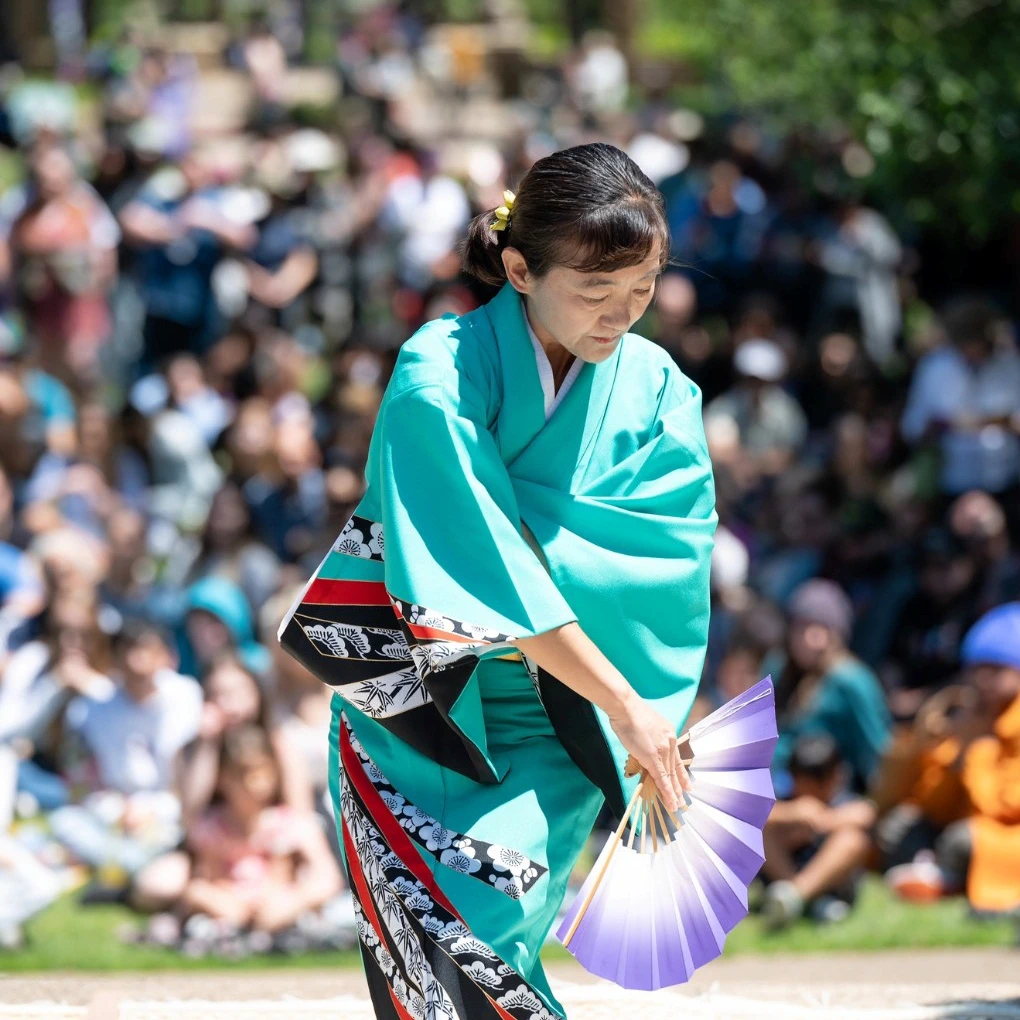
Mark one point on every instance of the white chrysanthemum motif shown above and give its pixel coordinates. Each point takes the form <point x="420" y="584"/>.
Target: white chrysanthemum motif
<point x="508" y="886"/>
<point x="416" y="1006"/>
<point x="384" y="959"/>
<point x="400" y="989"/>
<point x="352" y="543"/>
<point x="483" y="975"/>
<point x="461" y="860"/>
<point x="373" y="773"/>
<point x="505" y="858"/>
<point x="522" y="997"/>
<point x="393" y="800"/>
<point x="436" y="837"/>
<point x="415" y="818"/>
<point x="375" y="543"/>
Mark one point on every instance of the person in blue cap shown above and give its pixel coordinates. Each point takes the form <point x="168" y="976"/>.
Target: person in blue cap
<point x="973" y="758"/>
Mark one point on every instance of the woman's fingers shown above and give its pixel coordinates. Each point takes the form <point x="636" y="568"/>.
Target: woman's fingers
<point x="664" y="782"/>
<point x="674" y="767"/>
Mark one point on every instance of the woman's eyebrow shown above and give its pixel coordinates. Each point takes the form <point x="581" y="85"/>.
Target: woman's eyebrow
<point x="602" y="281"/>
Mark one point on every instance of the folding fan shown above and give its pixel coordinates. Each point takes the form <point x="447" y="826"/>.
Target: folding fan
<point x="649" y="915"/>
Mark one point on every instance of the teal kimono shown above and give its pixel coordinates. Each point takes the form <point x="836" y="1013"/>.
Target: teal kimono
<point x="467" y="780"/>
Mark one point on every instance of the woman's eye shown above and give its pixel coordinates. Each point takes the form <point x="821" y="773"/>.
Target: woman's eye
<point x="642" y="293"/>
<point x="593" y="301"/>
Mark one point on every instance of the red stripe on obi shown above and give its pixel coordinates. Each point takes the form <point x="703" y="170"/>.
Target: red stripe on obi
<point x="326" y="592"/>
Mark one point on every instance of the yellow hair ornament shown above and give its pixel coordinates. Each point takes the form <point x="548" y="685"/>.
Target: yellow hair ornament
<point x="503" y="212"/>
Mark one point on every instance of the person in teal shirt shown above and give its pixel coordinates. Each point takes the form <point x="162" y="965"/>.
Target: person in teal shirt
<point x="822" y="688"/>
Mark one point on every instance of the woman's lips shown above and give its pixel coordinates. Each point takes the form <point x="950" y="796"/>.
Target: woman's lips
<point x="605" y="339"/>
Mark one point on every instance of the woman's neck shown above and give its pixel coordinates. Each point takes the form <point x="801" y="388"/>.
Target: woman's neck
<point x="560" y="359"/>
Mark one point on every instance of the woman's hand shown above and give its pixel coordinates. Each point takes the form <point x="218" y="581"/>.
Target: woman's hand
<point x="651" y="739"/>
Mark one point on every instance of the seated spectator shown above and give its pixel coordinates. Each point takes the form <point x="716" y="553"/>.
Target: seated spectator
<point x="234" y="699"/>
<point x="256" y="862"/>
<point x="37" y="685"/>
<point x="22" y="595"/>
<point x="930" y="625"/>
<point x="299" y="710"/>
<point x="227" y="548"/>
<point x="133" y="737"/>
<point x="964" y="398"/>
<point x="822" y="688"/>
<point x="218" y="619"/>
<point x="817" y="841"/>
<point x="979" y="522"/>
<point x="973" y="772"/>
<point x="757" y="428"/>
<point x="289" y="504"/>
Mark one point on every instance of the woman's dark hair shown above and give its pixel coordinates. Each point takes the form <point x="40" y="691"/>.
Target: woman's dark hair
<point x="589" y="208"/>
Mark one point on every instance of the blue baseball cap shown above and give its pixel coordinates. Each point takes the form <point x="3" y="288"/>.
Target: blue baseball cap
<point x="994" y="639"/>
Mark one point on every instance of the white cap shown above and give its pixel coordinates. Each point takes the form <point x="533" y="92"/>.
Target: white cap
<point x="760" y="359"/>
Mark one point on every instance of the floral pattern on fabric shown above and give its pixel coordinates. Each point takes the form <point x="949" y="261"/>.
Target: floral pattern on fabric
<point x="507" y="870"/>
<point x="403" y="902"/>
<point x="362" y="538"/>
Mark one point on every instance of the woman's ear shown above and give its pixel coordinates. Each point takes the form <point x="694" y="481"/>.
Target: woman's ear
<point x="516" y="270"/>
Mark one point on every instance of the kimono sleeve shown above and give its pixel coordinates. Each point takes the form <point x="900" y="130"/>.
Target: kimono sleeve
<point x="455" y="551"/>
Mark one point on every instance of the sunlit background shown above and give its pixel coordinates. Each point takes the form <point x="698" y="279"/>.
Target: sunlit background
<point x="219" y="221"/>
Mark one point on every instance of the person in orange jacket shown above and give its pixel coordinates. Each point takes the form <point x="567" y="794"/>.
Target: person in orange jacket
<point x="970" y="779"/>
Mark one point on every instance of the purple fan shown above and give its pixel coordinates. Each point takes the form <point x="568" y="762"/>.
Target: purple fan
<point x="649" y="915"/>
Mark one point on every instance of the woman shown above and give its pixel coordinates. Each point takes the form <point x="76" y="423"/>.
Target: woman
<point x="539" y="609"/>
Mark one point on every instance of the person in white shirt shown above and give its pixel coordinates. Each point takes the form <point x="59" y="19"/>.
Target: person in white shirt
<point x="966" y="395"/>
<point x="133" y="736"/>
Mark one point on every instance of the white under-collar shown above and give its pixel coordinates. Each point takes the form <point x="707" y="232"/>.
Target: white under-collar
<point x="545" y="372"/>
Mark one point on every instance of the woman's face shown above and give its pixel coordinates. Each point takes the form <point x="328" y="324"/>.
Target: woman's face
<point x="587" y="313"/>
<point x="208" y="634"/>
<point x="235" y="693"/>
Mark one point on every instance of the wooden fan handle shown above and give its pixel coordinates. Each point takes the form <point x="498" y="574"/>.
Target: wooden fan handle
<point x="632" y="767"/>
<point x="583" y="909"/>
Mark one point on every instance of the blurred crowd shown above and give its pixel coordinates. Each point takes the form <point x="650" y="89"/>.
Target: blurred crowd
<point x="195" y="333"/>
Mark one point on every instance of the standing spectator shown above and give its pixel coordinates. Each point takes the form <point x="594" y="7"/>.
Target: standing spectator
<point x="181" y="234"/>
<point x="822" y="688"/>
<point x="64" y="251"/>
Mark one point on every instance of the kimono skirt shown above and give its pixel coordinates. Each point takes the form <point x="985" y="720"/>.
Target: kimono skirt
<point x="454" y="879"/>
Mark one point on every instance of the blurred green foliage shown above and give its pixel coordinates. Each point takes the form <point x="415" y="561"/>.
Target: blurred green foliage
<point x="929" y="87"/>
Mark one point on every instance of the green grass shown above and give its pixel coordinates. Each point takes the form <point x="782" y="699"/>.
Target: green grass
<point x="67" y="937"/>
